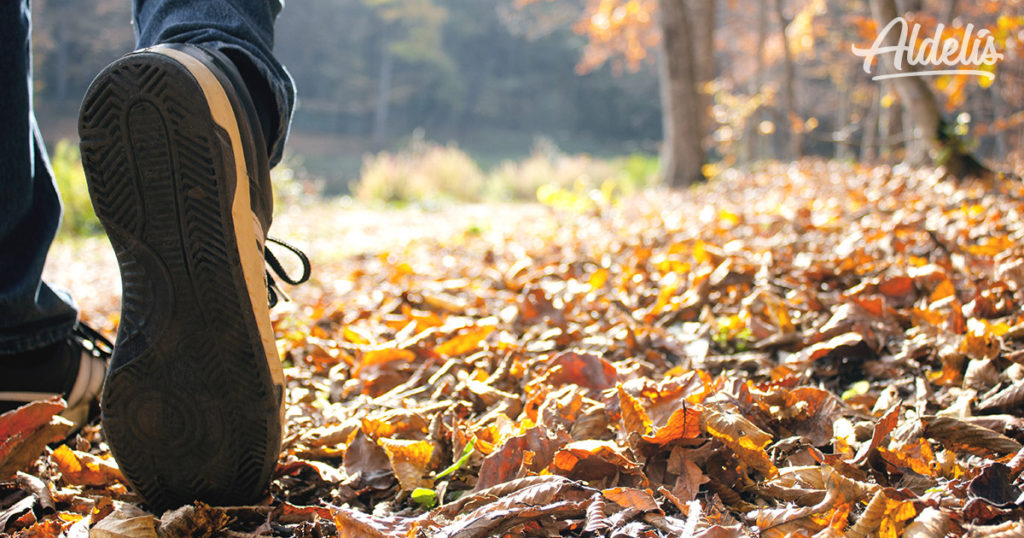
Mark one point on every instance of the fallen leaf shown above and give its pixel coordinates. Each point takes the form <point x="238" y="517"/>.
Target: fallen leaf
<point x="638" y="499"/>
<point x="80" y="468"/>
<point x="409" y="460"/>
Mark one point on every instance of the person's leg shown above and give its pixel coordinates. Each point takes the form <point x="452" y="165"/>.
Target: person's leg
<point x="32" y="314"/>
<point x="42" y="351"/>
<point x="241" y="29"/>
<point x="178" y="171"/>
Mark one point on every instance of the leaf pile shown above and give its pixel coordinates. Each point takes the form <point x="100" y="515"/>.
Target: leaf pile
<point x="814" y="350"/>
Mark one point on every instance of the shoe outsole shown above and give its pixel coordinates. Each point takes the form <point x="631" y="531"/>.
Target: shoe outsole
<point x="191" y="404"/>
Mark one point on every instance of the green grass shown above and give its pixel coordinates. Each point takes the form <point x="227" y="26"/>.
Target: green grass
<point x="428" y="172"/>
<point x="79" y="218"/>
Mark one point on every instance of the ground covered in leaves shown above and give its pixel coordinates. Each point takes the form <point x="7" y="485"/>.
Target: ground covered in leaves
<point x="812" y="350"/>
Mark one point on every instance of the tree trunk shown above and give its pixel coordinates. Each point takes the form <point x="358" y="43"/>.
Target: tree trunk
<point x="751" y="137"/>
<point x="702" y="12"/>
<point x="683" y="153"/>
<point x="869" y="144"/>
<point x="891" y="132"/>
<point x="844" y="148"/>
<point x="794" y="125"/>
<point x="930" y="133"/>
<point x="951" y="10"/>
<point x="1002" y="110"/>
<point x="380" y="117"/>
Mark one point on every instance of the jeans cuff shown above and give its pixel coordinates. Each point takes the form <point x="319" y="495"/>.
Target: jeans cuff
<point x="281" y="91"/>
<point x="22" y="342"/>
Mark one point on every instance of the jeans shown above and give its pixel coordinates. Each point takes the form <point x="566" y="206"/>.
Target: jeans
<point x="32" y="313"/>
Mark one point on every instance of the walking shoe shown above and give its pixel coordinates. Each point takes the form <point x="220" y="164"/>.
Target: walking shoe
<point x="72" y="369"/>
<point x="177" y="170"/>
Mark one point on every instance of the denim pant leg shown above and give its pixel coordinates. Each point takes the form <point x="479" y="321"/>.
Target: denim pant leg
<point x="242" y="29"/>
<point x="32" y="314"/>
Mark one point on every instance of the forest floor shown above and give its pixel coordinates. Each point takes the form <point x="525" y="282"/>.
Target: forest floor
<point x="815" y="349"/>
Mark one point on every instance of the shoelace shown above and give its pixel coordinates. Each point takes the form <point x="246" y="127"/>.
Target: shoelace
<point x="92" y="341"/>
<point x="274" y="292"/>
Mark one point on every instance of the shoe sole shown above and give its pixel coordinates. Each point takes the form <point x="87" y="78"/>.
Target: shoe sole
<point x="191" y="407"/>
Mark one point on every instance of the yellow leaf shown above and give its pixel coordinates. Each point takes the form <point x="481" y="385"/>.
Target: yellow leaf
<point x="84" y="469"/>
<point x="598" y="279"/>
<point x="353" y="336"/>
<point x="742" y="437"/>
<point x="409" y="460"/>
<point x="634" y="417"/>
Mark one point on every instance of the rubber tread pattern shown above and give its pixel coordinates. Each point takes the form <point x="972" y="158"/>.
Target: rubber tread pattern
<point x="189" y="408"/>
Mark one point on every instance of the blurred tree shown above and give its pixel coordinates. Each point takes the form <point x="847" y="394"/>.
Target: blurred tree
<point x="625" y="31"/>
<point x="493" y="74"/>
<point x="73" y="39"/>
<point x="410" y="31"/>
<point x="687" y="68"/>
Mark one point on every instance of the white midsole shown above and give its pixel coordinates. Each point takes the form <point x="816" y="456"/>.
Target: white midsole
<point x="15" y="396"/>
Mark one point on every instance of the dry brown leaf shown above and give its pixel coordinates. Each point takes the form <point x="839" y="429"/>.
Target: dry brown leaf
<point x="507" y="462"/>
<point x="1010" y="398"/>
<point x="355" y="524"/>
<point x="966" y="437"/>
<point x="21" y="449"/>
<point x="368" y="461"/>
<point x="126" y="521"/>
<point x="586" y="370"/>
<point x="191" y="520"/>
<point x="639" y="499"/>
<point x="592" y="460"/>
<point x="882" y="429"/>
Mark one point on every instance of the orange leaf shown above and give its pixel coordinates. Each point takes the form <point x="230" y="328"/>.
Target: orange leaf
<point x="914" y="455"/>
<point x="874" y="305"/>
<point x="684" y="423"/>
<point x="897" y="286"/>
<point x="981" y="340"/>
<point x="31" y="427"/>
<point x="84" y="469"/>
<point x="465" y="342"/>
<point x="28" y="417"/>
<point x="382" y="356"/>
<point x="943" y="290"/>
